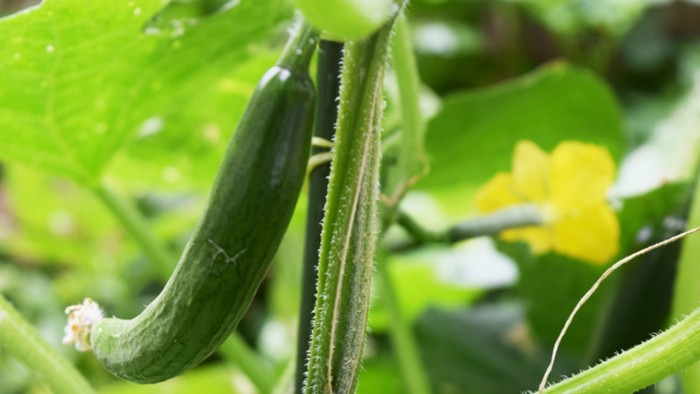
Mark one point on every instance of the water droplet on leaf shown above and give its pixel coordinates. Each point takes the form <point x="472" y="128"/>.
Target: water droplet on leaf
<point x="151" y="126"/>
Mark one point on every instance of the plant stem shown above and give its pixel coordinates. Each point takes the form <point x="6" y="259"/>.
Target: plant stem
<point x="328" y="79"/>
<point x="135" y="225"/>
<point x="403" y="340"/>
<point x="667" y="353"/>
<point x="411" y="161"/>
<point x="292" y="57"/>
<point x="347" y="242"/>
<point x="492" y="223"/>
<point x="286" y="380"/>
<point x="687" y="288"/>
<point x="22" y="340"/>
<point x="234" y="348"/>
<point x="409" y="164"/>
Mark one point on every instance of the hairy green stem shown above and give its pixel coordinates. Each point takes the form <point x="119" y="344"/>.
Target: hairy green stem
<point x="22" y="340"/>
<point x="234" y="348"/>
<point x="328" y="80"/>
<point x="406" y="164"/>
<point x="492" y="223"/>
<point x="411" y="161"/>
<point x="347" y="242"/>
<point x="403" y="340"/>
<point x="665" y="354"/>
<point x="687" y="288"/>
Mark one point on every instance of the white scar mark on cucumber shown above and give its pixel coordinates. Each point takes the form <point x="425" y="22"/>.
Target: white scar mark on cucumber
<point x="220" y="251"/>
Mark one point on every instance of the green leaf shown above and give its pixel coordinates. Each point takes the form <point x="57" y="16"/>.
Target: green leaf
<point x="551" y="285"/>
<point x="486" y="350"/>
<point x="474" y="134"/>
<point x="80" y="78"/>
<point x="182" y="147"/>
<point x="55" y="221"/>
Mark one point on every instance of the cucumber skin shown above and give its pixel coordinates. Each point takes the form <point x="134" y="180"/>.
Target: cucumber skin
<point x="249" y="209"/>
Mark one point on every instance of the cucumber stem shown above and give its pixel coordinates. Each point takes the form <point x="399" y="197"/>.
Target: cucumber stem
<point x="330" y="57"/>
<point x="687" y="287"/>
<point x="132" y="221"/>
<point x="401" y="332"/>
<point x="409" y="165"/>
<point x="492" y="223"/>
<point x="347" y="242"/>
<point x="234" y="348"/>
<point x="23" y="341"/>
<point x="411" y="162"/>
<point x="299" y="50"/>
<point x="665" y="354"/>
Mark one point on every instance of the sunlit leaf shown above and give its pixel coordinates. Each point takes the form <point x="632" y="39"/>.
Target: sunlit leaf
<point x="473" y="136"/>
<point x="79" y="78"/>
<point x="53" y="221"/>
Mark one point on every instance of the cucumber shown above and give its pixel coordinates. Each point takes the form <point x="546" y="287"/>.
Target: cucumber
<point x="249" y="209"/>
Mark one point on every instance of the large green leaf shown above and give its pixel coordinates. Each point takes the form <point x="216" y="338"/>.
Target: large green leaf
<point x="78" y="78"/>
<point x="484" y="350"/>
<point x="181" y="148"/>
<point x="551" y="285"/>
<point x="473" y="136"/>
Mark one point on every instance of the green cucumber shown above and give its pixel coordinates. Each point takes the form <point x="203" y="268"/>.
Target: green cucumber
<point x="249" y="209"/>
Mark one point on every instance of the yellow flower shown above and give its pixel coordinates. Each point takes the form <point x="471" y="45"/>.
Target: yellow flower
<point x="569" y="188"/>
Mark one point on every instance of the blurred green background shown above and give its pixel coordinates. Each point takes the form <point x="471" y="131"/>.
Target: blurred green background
<point x="145" y="98"/>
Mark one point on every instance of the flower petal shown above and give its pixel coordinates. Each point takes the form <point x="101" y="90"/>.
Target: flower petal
<point x="538" y="238"/>
<point x="590" y="234"/>
<point x="499" y="192"/>
<point x="580" y="174"/>
<point x="531" y="171"/>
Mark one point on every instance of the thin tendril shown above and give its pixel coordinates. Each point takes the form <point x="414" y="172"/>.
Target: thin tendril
<point x="595" y="287"/>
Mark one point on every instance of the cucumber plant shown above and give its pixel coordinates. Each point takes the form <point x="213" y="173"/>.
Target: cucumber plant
<point x="249" y="208"/>
<point x="349" y="228"/>
<point x="251" y="203"/>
